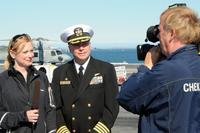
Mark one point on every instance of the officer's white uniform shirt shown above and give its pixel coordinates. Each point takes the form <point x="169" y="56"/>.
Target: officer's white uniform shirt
<point x="83" y="65"/>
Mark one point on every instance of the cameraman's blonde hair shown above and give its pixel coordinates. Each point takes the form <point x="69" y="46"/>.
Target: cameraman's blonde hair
<point x="184" y="21"/>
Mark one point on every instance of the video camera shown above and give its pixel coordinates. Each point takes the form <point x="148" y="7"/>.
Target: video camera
<point x="152" y="36"/>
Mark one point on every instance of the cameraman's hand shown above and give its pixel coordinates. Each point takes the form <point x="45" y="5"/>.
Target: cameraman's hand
<point x="152" y="57"/>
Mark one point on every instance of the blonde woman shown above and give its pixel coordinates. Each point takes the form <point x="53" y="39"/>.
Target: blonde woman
<point x="24" y="97"/>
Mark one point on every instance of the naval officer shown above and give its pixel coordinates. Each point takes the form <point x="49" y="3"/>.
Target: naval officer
<point x="85" y="88"/>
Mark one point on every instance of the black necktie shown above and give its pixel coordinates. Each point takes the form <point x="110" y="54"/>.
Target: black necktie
<point x="80" y="74"/>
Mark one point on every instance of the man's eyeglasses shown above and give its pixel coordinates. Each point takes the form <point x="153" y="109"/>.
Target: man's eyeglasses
<point x="177" y="5"/>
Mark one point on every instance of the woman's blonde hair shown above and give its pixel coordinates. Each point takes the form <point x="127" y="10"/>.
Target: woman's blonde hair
<point x="16" y="45"/>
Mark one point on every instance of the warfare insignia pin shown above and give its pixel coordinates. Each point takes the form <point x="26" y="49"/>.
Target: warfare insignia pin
<point x="96" y="74"/>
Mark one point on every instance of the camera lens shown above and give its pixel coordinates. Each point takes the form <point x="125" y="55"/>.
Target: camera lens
<point x="152" y="33"/>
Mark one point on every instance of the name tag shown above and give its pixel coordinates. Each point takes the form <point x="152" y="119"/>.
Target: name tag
<point x="65" y="82"/>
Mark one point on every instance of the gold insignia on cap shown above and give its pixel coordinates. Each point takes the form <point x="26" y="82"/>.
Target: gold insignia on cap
<point x="78" y="31"/>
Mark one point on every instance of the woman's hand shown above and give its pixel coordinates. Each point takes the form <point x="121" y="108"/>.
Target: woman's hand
<point x="32" y="115"/>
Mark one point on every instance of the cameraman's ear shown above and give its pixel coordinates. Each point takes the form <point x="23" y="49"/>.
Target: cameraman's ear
<point x="172" y="35"/>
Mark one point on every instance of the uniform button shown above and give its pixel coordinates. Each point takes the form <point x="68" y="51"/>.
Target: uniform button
<point x="73" y="118"/>
<point x="73" y="130"/>
<point x="89" y="130"/>
<point x="29" y="103"/>
<point x="89" y="117"/>
<point x="73" y="105"/>
<point x="89" y="105"/>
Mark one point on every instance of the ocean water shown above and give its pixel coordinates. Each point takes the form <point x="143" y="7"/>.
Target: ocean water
<point x="116" y="55"/>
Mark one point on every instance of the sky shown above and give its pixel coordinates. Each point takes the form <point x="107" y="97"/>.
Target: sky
<point x="116" y="23"/>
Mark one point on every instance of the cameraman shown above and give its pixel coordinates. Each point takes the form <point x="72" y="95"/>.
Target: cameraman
<point x="166" y="94"/>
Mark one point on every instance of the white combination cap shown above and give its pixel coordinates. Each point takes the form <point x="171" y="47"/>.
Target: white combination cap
<point x="77" y="34"/>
